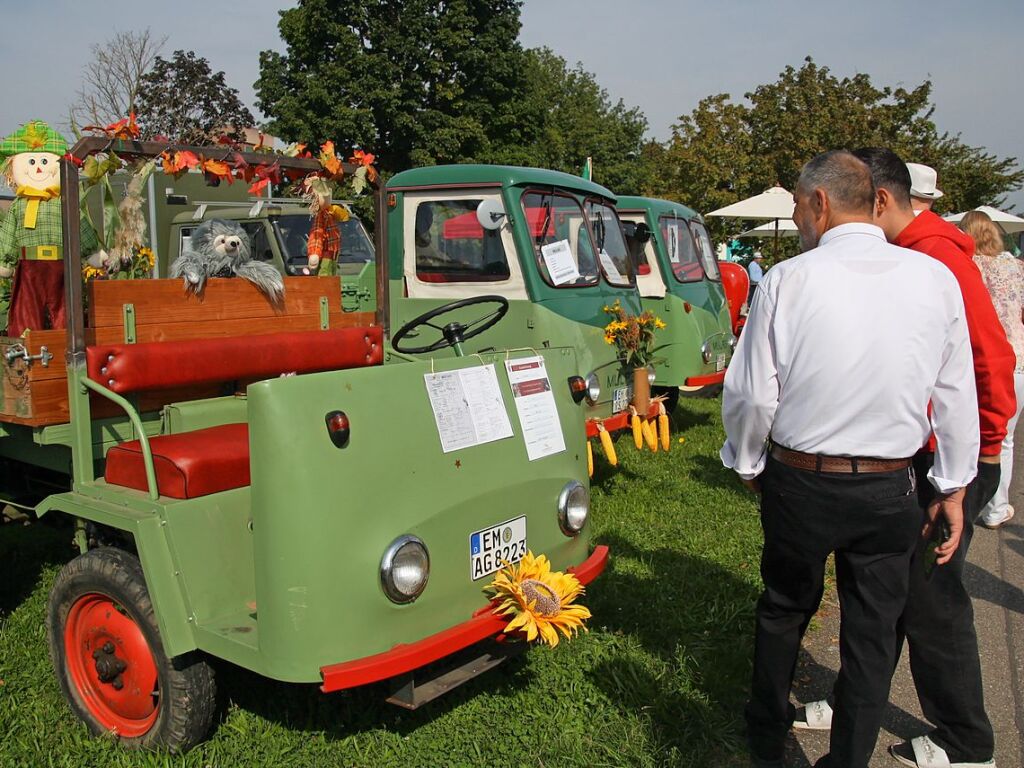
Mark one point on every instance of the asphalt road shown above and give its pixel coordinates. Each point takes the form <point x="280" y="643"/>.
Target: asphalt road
<point x="995" y="579"/>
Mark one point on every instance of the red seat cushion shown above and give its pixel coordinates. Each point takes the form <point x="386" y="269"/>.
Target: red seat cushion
<point x="188" y="464"/>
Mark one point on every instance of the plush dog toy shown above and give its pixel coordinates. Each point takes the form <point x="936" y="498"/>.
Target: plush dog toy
<point x="220" y="248"/>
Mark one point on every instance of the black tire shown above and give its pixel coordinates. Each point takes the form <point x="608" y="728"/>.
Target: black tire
<point x="183" y="693"/>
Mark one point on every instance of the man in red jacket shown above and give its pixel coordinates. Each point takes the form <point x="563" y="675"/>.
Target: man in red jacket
<point x="939" y="620"/>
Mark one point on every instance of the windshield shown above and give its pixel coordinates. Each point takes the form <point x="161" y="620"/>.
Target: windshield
<point x="561" y="240"/>
<point x="293" y="232"/>
<point x="611" y="246"/>
<point x="707" y="251"/>
<point x="682" y="250"/>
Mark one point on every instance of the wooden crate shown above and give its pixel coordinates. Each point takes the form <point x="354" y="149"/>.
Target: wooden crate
<point x="160" y="310"/>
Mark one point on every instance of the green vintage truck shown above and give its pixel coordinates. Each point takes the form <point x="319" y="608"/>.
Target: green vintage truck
<point x="251" y="482"/>
<point x="548" y="242"/>
<point x="679" y="280"/>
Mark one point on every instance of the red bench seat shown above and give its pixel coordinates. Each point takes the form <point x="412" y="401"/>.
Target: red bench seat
<point x="188" y="464"/>
<point x="204" y="461"/>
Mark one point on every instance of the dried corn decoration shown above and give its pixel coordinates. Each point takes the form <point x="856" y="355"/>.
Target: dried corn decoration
<point x="590" y="459"/>
<point x="650" y="436"/>
<point x="609" y="447"/>
<point x="638" y="431"/>
<point x="666" y="441"/>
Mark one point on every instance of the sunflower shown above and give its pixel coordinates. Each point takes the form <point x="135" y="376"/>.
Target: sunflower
<point x="538" y="599"/>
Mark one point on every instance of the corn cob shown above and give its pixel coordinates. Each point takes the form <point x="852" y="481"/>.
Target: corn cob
<point x="638" y="432"/>
<point x="590" y="459"/>
<point x="651" y="436"/>
<point x="609" y="447"/>
<point x="663" y="428"/>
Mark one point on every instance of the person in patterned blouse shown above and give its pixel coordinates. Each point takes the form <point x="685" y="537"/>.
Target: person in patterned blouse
<point x="1004" y="278"/>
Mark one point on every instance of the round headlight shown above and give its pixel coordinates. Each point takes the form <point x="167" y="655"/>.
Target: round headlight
<point x="650" y="375"/>
<point x="404" y="569"/>
<point x="593" y="388"/>
<point x="705" y="352"/>
<point x="573" y="507"/>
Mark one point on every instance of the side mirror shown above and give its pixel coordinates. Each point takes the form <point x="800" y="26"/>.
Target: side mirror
<point x="636" y="232"/>
<point x="490" y="214"/>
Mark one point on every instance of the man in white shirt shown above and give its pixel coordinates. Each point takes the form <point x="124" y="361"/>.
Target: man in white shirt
<point x="756" y="272"/>
<point x="844" y="348"/>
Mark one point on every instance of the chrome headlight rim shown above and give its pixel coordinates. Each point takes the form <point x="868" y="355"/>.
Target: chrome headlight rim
<point x="652" y="374"/>
<point x="706" y="352"/>
<point x="387" y="562"/>
<point x="593" y="388"/>
<point x="565" y="520"/>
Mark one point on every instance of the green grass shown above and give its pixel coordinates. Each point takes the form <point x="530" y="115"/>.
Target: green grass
<point x="659" y="680"/>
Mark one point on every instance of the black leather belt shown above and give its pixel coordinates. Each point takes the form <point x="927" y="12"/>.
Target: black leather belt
<point x="851" y="465"/>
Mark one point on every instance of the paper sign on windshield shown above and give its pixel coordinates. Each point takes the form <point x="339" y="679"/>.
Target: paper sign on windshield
<point x="535" y="404"/>
<point x="560" y="262"/>
<point x="468" y="407"/>
<point x="673" y="243"/>
<point x="610" y="270"/>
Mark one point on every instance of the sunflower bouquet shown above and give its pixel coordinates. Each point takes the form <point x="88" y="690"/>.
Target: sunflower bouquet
<point x="539" y="600"/>
<point x="633" y="335"/>
<point x="139" y="265"/>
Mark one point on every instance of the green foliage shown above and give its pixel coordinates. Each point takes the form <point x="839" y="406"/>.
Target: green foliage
<point x="725" y="151"/>
<point x="659" y="680"/>
<point x="424" y="83"/>
<point x="414" y="80"/>
<point x="183" y="100"/>
<point x="566" y="117"/>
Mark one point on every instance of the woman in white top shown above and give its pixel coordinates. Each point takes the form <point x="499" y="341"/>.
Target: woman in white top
<point x="1004" y="276"/>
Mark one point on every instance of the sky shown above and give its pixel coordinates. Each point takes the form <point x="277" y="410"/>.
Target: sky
<point x="662" y="56"/>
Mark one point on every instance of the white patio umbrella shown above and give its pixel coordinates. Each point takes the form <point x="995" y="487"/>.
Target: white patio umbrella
<point x="1007" y="221"/>
<point x="775" y="204"/>
<point x="786" y="228"/>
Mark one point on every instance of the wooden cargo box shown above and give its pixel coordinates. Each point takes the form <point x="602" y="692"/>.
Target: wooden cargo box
<point x="136" y="311"/>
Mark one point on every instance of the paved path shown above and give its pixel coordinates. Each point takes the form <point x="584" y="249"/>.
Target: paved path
<point x="995" y="579"/>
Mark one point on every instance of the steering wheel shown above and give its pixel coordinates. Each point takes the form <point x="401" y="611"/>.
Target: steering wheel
<point x="453" y="333"/>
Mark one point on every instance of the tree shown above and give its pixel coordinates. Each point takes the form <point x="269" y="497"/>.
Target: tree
<point x="183" y="100"/>
<point x="724" y="151"/>
<point x="111" y="79"/>
<point x="416" y="81"/>
<point x="564" y="117"/>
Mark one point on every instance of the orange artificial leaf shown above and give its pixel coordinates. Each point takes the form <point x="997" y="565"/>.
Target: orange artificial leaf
<point x="259" y="186"/>
<point x="216" y="167"/>
<point x="329" y="160"/>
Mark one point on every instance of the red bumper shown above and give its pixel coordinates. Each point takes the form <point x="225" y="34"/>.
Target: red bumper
<point x="703" y="381"/>
<point x="405" y="658"/>
<point x="618" y="421"/>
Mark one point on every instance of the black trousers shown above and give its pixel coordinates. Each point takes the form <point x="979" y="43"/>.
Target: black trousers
<point x="939" y="626"/>
<point x="872" y="523"/>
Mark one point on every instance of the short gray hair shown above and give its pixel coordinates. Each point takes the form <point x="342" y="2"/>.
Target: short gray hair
<point x="845" y="178"/>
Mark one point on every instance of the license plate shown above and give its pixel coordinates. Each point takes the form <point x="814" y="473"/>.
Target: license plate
<point x="489" y="546"/>
<point x="720" y="361"/>
<point x="620" y="399"/>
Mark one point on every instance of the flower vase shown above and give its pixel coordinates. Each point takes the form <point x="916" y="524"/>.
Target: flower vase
<point x="641" y="391"/>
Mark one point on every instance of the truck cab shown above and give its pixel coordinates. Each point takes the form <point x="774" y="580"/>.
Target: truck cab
<point x="547" y="242"/>
<point x="679" y="280"/>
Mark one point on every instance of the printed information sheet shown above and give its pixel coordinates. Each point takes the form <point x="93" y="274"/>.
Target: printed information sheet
<point x="609" y="267"/>
<point x="535" y="403"/>
<point x="560" y="262"/>
<point x="468" y="408"/>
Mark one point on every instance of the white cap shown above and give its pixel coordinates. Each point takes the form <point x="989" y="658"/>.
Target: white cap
<point x="922" y="182"/>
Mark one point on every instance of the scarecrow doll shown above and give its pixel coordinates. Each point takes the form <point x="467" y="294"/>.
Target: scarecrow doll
<point x="31" y="235"/>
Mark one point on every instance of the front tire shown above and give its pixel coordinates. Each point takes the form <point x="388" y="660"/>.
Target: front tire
<point x="110" y="663"/>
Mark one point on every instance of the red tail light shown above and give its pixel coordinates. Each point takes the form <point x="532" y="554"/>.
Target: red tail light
<point x="578" y="388"/>
<point x="338" y="428"/>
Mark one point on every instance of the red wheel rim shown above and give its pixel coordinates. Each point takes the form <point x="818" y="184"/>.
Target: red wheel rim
<point x="111" y="666"/>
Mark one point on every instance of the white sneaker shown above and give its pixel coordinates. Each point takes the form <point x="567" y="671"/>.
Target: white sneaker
<point x="997" y="520"/>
